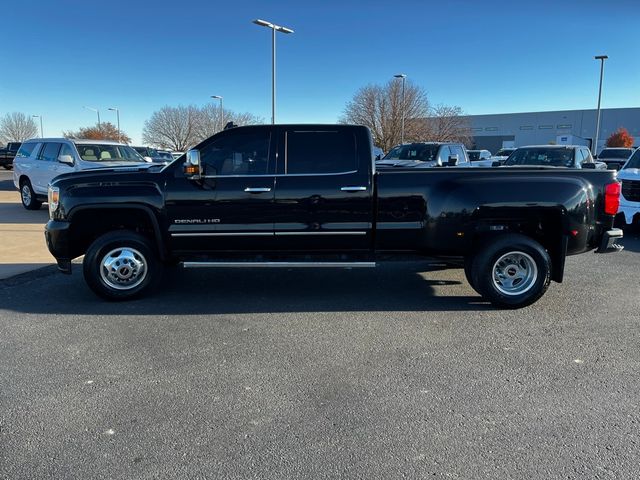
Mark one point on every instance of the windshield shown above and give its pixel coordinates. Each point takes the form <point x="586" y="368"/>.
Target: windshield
<point x="108" y="153"/>
<point x="474" y="155"/>
<point x="615" y="153"/>
<point x="504" y="152"/>
<point x="544" y="157"/>
<point x="634" y="161"/>
<point x="423" y="153"/>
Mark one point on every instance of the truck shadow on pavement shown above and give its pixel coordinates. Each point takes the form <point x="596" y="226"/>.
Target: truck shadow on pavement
<point x="403" y="287"/>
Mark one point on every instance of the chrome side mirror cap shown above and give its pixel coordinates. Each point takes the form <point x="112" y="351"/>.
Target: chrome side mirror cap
<point x="192" y="165"/>
<point x="453" y="160"/>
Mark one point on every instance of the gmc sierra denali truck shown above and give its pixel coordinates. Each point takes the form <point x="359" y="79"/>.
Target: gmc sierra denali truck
<point x="309" y="196"/>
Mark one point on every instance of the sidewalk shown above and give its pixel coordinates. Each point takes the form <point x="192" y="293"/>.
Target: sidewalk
<point x="22" y="244"/>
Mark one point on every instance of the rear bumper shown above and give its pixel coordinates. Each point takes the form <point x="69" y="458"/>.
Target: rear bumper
<point x="56" y="234"/>
<point x="609" y="239"/>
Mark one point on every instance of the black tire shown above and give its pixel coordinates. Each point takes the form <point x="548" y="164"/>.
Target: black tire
<point x="121" y="265"/>
<point x="511" y="271"/>
<point x="28" y="196"/>
<point x="468" y="262"/>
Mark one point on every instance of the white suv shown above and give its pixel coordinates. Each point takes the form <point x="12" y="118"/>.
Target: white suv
<point x="630" y="198"/>
<point x="40" y="160"/>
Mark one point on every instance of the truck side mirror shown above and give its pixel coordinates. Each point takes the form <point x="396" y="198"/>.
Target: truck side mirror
<point x="453" y="160"/>
<point x="192" y="166"/>
<point x="590" y="165"/>
<point x="66" y="159"/>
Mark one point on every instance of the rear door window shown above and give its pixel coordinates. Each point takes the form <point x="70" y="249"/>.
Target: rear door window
<point x="26" y="149"/>
<point x="318" y="152"/>
<point x="49" y="152"/>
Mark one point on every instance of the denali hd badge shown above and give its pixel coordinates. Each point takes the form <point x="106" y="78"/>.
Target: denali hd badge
<point x="196" y="220"/>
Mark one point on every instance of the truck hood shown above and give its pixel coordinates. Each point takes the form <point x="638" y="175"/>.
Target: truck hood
<point x="105" y="173"/>
<point x="629" y="174"/>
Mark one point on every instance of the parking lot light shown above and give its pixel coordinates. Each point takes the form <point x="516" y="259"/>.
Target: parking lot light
<point x="219" y="97"/>
<point x="97" y="111"/>
<point x="403" y="77"/>
<point x="115" y="109"/>
<point x="602" y="58"/>
<point x="40" y="117"/>
<point x="274" y="28"/>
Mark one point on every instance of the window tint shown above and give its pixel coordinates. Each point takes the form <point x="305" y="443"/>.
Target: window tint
<point x="26" y="149"/>
<point x="443" y="156"/>
<point x="245" y="153"/>
<point x="413" y="151"/>
<point x="66" y="150"/>
<point x="551" y="157"/>
<point x="320" y="152"/>
<point x="457" y="150"/>
<point x="49" y="152"/>
<point x="634" y="161"/>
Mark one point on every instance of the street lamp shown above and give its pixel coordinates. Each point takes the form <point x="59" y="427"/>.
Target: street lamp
<point x="115" y="109"/>
<point x="221" y="111"/>
<point x="403" y="77"/>
<point x="40" y="117"/>
<point x="273" y="28"/>
<point x="602" y="58"/>
<point x="97" y="111"/>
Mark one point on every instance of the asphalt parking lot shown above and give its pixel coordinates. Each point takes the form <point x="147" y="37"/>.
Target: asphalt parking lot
<point x="399" y="372"/>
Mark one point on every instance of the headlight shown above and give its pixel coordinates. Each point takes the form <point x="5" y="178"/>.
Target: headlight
<point x="53" y="197"/>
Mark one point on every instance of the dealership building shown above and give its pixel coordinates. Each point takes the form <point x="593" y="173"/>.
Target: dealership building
<point x="567" y="127"/>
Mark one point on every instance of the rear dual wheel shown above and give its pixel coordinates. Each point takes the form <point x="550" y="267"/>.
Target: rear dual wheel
<point x="511" y="271"/>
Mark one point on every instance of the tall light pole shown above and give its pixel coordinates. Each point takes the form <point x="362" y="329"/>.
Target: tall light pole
<point x="403" y="77"/>
<point x="115" y="109"/>
<point x="97" y="111"/>
<point x="40" y="117"/>
<point x="602" y="58"/>
<point x="274" y="28"/>
<point x="221" y="111"/>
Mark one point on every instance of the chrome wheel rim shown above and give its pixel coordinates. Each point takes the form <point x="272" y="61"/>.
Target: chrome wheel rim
<point x="26" y="194"/>
<point x="514" y="273"/>
<point x="123" y="268"/>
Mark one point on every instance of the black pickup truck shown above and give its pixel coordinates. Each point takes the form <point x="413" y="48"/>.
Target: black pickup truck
<point x="309" y="196"/>
<point x="8" y="154"/>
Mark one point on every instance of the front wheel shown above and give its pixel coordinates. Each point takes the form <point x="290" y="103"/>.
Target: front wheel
<point x="120" y="265"/>
<point x="28" y="196"/>
<point x="511" y="271"/>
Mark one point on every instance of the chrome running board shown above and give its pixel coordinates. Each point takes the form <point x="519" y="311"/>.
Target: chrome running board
<point x="278" y="264"/>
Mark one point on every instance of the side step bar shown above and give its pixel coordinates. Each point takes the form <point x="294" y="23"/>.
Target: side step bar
<point x="278" y="264"/>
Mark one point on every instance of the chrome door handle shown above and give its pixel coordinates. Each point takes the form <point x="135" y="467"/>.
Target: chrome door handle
<point x="353" y="189"/>
<point x="257" y="189"/>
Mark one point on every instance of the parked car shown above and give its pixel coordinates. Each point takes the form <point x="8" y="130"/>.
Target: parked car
<point x="309" y="196"/>
<point x="478" y="155"/>
<point x="166" y="155"/>
<point x="40" y="160"/>
<point x="615" y="157"/>
<point x="502" y="155"/>
<point x="8" y="153"/>
<point x="629" y="211"/>
<point x="425" y="155"/>
<point x="570" y="156"/>
<point x="151" y="155"/>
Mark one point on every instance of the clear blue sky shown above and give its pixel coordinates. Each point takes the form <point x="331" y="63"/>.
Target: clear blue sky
<point x="484" y="56"/>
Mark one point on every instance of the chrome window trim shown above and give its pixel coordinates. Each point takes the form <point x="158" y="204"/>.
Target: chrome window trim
<point x="282" y="175"/>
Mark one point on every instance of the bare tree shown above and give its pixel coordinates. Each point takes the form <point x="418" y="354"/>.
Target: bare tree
<point x="447" y="124"/>
<point x="210" y="120"/>
<point x="17" y="127"/>
<point x="380" y="108"/>
<point x="175" y="128"/>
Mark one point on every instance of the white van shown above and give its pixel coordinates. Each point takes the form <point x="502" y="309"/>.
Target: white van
<point x="40" y="160"/>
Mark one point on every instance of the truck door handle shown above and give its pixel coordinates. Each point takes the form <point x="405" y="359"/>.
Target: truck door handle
<point x="353" y="189"/>
<point x="257" y="189"/>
